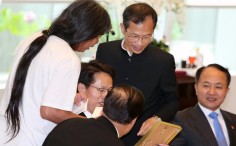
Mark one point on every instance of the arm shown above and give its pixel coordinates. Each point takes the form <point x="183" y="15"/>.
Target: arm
<point x="56" y="115"/>
<point x="170" y="99"/>
<point x="168" y="94"/>
<point x="59" y="92"/>
<point x="180" y="138"/>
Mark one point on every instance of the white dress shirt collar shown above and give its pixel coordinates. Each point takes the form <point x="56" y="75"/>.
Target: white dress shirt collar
<point x="207" y="111"/>
<point x="123" y="47"/>
<point x="87" y="114"/>
<point x="220" y="118"/>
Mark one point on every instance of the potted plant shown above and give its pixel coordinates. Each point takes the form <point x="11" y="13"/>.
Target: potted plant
<point x="161" y="44"/>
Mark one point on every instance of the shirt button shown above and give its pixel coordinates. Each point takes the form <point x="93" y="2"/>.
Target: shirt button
<point x="129" y="59"/>
<point x="126" y="78"/>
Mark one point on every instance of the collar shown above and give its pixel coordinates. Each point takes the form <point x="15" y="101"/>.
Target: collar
<point x="123" y="47"/>
<point x="207" y="111"/>
<point x="117" y="132"/>
<point x="87" y="114"/>
<point x="108" y="123"/>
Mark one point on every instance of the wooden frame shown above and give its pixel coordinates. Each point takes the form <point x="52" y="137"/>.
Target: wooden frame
<point x="160" y="133"/>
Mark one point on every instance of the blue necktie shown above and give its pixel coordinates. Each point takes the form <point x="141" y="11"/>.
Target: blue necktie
<point x="218" y="130"/>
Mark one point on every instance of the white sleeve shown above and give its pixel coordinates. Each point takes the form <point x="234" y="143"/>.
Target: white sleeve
<point x="62" y="85"/>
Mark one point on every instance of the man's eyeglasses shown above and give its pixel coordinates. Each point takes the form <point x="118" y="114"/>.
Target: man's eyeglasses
<point x="208" y="86"/>
<point x="135" y="38"/>
<point x="102" y="90"/>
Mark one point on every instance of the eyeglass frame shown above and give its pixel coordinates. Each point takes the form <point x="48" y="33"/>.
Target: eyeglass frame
<point x="138" y="37"/>
<point x="208" y="86"/>
<point x="101" y="90"/>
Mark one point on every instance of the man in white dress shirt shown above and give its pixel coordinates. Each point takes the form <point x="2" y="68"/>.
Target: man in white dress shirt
<point x="95" y="81"/>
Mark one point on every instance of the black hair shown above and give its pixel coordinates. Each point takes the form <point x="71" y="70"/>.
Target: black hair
<point x="137" y="13"/>
<point x="88" y="70"/>
<point x="80" y="21"/>
<point x="216" y="66"/>
<point x="123" y="104"/>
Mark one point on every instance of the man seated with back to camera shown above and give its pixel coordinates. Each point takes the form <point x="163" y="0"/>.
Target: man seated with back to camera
<point x="121" y="108"/>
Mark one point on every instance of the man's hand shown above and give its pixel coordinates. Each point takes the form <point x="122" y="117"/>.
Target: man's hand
<point x="79" y="97"/>
<point x="147" y="125"/>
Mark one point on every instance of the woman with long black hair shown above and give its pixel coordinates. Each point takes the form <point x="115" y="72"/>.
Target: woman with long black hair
<point x="41" y="88"/>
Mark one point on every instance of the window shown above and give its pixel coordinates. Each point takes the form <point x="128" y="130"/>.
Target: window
<point x="21" y="18"/>
<point x="204" y="27"/>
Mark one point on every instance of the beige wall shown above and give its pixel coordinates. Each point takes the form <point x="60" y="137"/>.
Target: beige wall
<point x="229" y="103"/>
<point x="230" y="100"/>
<point x="1" y="92"/>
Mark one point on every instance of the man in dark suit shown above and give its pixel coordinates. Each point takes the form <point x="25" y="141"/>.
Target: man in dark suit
<point x="212" y="85"/>
<point x="121" y="108"/>
<point x="95" y="81"/>
<point x="144" y="66"/>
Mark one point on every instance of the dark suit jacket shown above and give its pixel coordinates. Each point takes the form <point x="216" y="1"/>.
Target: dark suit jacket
<point x="82" y="114"/>
<point x="196" y="128"/>
<point x="153" y="72"/>
<point x="84" y="132"/>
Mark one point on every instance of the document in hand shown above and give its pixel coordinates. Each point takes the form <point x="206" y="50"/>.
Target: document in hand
<point x="79" y="109"/>
<point x="160" y="133"/>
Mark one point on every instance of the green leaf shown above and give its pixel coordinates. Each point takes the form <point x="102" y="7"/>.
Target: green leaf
<point x="5" y="17"/>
